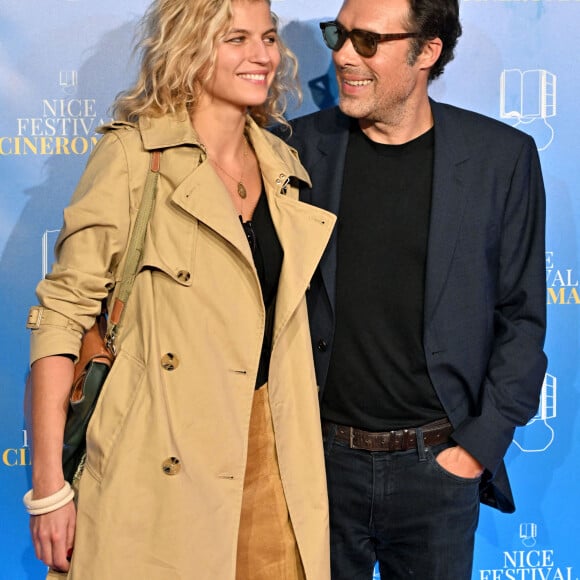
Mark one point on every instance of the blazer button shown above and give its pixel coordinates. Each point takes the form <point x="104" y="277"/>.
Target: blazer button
<point x="169" y="361"/>
<point x="183" y="276"/>
<point x="171" y="466"/>
<point x="322" y="345"/>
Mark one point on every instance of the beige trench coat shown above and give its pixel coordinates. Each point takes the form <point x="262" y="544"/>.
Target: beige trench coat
<point x="183" y="381"/>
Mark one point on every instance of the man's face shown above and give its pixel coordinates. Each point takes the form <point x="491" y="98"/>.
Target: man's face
<point x="379" y="88"/>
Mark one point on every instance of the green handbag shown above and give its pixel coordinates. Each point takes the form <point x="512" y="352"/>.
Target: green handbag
<point x="97" y="352"/>
<point x="91" y="370"/>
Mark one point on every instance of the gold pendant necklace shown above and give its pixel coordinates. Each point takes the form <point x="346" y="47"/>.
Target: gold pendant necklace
<point x="241" y="189"/>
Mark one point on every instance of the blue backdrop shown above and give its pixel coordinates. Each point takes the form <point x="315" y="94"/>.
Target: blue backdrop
<point x="63" y="61"/>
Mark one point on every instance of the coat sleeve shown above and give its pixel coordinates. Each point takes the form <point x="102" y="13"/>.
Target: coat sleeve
<point x="509" y="394"/>
<point x="91" y="242"/>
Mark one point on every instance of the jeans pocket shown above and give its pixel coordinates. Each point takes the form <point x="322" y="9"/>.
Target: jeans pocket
<point x="432" y="454"/>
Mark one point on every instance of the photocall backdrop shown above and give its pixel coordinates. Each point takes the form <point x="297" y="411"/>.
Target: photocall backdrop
<point x="63" y="61"/>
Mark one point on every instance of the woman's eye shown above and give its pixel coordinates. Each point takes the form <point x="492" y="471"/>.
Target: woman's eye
<point x="270" y="39"/>
<point x="235" y="40"/>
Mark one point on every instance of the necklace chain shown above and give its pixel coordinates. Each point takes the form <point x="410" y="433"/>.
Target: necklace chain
<point x="240" y="182"/>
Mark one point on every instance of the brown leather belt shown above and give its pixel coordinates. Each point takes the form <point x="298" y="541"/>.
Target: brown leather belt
<point x="400" y="440"/>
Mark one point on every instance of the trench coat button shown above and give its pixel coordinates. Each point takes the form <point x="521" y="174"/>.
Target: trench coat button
<point x="322" y="345"/>
<point x="171" y="466"/>
<point x="169" y="361"/>
<point x="183" y="276"/>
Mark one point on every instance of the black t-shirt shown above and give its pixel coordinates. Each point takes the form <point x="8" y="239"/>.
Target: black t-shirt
<point x="378" y="376"/>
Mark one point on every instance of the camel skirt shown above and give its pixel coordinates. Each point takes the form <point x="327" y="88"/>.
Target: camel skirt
<point x="266" y="543"/>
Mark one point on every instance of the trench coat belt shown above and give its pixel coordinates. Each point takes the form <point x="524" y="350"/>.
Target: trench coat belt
<point x="400" y="440"/>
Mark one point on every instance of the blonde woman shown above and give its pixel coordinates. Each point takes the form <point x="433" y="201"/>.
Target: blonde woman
<point x="210" y="467"/>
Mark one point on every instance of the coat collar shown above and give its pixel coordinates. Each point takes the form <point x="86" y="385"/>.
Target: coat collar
<point x="175" y="129"/>
<point x="170" y="130"/>
<point x="327" y="158"/>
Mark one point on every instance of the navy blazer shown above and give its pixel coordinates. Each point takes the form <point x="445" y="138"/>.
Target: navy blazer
<point x="485" y="290"/>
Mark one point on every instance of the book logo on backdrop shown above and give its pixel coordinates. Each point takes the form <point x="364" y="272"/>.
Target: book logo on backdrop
<point x="62" y="126"/>
<point x="529" y="563"/>
<point x="538" y="434"/>
<point x="17" y="456"/>
<point x="529" y="97"/>
<point x="562" y="283"/>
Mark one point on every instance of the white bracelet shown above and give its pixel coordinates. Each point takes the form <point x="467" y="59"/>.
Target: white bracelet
<point x="45" y="505"/>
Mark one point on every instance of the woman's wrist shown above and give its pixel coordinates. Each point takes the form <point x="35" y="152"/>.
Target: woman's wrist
<point x="47" y="480"/>
<point x="45" y="505"/>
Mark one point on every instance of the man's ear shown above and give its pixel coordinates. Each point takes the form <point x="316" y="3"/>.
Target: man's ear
<point x="430" y="53"/>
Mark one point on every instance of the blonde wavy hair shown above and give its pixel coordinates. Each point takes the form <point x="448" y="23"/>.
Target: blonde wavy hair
<point x="177" y="42"/>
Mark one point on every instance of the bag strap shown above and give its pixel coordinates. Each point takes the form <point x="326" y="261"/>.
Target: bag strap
<point x="134" y="251"/>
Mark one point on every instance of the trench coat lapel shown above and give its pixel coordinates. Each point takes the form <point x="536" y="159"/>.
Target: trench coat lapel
<point x="303" y="231"/>
<point x="450" y="172"/>
<point x="199" y="192"/>
<point x="203" y="195"/>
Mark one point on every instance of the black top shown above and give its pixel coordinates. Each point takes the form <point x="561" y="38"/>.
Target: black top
<point x="268" y="256"/>
<point x="378" y="376"/>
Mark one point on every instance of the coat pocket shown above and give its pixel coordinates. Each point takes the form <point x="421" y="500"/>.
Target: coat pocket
<point x="114" y="405"/>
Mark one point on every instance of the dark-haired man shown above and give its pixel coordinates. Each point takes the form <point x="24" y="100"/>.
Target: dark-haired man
<point x="428" y="308"/>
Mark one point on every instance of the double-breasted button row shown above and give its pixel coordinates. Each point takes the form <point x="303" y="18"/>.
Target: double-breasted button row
<point x="169" y="361"/>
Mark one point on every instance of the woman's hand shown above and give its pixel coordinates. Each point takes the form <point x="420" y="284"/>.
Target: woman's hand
<point x="53" y="532"/>
<point x="53" y="536"/>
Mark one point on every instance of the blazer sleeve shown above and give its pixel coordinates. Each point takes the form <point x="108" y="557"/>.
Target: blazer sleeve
<point x="516" y="366"/>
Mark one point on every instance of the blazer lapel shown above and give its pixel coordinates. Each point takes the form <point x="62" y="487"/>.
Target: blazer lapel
<point x="450" y="169"/>
<point x="326" y="167"/>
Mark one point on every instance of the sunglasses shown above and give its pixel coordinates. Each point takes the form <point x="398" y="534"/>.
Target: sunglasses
<point x="363" y="41"/>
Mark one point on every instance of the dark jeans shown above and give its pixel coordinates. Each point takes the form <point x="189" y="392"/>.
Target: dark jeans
<point x="401" y="509"/>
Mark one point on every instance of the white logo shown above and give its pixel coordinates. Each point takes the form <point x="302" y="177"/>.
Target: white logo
<point x="528" y="534"/>
<point x="530" y="563"/>
<point x="530" y="98"/>
<point x="68" y="80"/>
<point x="538" y="434"/>
<point x="63" y="126"/>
